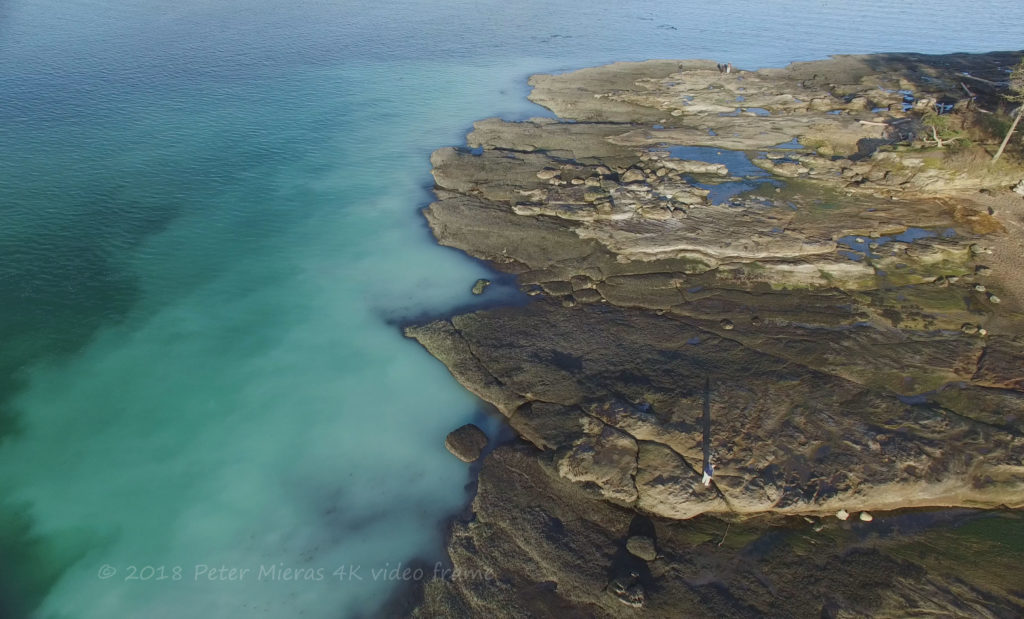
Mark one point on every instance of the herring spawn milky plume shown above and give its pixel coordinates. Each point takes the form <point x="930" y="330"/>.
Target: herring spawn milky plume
<point x="210" y="239"/>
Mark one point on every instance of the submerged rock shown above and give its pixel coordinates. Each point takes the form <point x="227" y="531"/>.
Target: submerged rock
<point x="466" y="443"/>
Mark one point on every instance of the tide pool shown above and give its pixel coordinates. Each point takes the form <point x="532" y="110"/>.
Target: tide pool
<point x="209" y="235"/>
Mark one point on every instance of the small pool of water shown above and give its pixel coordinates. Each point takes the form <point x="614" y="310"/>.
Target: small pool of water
<point x="794" y="143"/>
<point x="723" y="192"/>
<point x="738" y="164"/>
<point x="908" y="98"/>
<point x="757" y="111"/>
<point x="859" y="247"/>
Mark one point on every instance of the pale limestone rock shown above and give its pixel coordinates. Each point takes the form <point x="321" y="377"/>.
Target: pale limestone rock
<point x="604" y="456"/>
<point x="668" y="486"/>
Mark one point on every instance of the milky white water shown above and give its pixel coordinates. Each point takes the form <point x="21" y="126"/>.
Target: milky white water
<point x="209" y="234"/>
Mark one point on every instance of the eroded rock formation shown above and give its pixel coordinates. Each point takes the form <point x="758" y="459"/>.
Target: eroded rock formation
<point x="677" y="225"/>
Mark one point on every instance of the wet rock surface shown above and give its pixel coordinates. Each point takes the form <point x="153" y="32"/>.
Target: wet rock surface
<point x="829" y="323"/>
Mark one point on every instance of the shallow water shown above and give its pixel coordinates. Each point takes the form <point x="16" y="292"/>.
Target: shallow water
<point x="737" y="162"/>
<point x="209" y="234"/>
<point x="865" y="246"/>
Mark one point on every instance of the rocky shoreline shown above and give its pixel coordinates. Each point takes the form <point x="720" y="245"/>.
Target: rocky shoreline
<point x="760" y="274"/>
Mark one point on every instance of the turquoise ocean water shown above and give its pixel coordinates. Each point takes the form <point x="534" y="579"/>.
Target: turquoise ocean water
<point x="208" y="233"/>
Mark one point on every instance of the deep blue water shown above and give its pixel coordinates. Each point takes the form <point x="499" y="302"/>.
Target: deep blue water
<point x="208" y="229"/>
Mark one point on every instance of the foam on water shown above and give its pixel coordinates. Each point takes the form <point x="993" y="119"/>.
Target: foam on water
<point x="209" y="235"/>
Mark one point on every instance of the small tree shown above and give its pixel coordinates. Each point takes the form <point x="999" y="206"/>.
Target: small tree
<point x="942" y="129"/>
<point x="1016" y="95"/>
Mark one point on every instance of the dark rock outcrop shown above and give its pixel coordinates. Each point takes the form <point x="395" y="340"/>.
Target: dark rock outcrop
<point x="466" y="443"/>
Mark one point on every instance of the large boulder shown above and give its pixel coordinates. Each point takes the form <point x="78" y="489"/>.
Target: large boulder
<point x="466" y="443"/>
<point x="642" y="546"/>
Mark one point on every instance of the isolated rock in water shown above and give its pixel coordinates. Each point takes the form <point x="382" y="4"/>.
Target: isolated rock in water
<point x="842" y="514"/>
<point x="481" y="285"/>
<point x="866" y="517"/>
<point x="642" y="546"/>
<point x="695" y="167"/>
<point x="466" y="443"/>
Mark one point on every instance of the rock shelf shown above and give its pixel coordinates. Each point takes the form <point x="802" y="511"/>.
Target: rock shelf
<point x="844" y="305"/>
